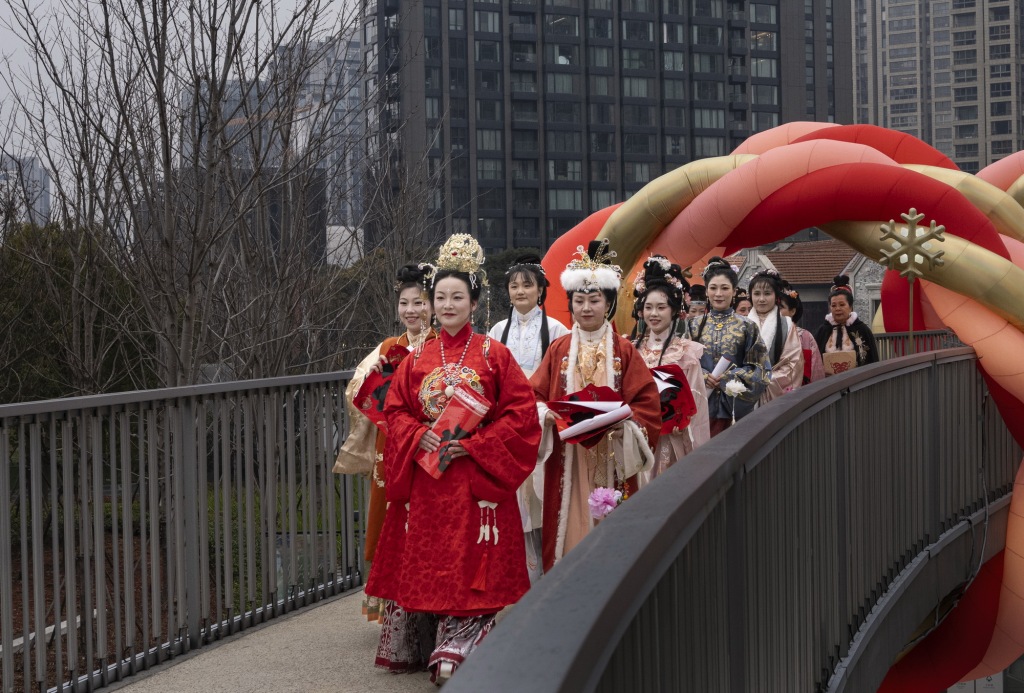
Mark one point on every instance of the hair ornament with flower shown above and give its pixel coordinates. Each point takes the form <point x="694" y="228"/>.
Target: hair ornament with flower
<point x="716" y="264"/>
<point x="792" y="293"/>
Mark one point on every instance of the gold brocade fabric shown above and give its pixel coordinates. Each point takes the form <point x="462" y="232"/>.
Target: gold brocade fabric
<point x="591" y="367"/>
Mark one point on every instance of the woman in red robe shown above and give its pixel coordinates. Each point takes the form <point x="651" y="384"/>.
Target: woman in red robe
<point x="592" y="354"/>
<point x="439" y="557"/>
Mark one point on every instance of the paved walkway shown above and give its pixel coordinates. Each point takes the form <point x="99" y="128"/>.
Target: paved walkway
<point x="327" y="648"/>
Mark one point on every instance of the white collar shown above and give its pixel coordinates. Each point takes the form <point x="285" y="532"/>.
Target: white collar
<point x="849" y="321"/>
<point x="594" y="336"/>
<point x="528" y="316"/>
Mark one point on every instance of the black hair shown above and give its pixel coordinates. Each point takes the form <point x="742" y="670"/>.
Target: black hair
<point x="529" y="266"/>
<point x="610" y="295"/>
<point x="773" y="281"/>
<point x="792" y="301"/>
<point x="841" y="287"/>
<point x="769" y="278"/>
<point x="408" y="277"/>
<point x="473" y="286"/>
<point x="598" y="251"/>
<point x="674" y="299"/>
<point x="668" y="280"/>
<point x="717" y="267"/>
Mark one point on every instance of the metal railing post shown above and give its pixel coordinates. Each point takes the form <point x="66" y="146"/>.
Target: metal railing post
<point x="188" y="469"/>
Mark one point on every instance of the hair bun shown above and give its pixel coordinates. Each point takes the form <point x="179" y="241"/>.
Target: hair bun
<point x="714" y="264"/>
<point x="409" y="273"/>
<point x="527" y="259"/>
<point x="841" y="280"/>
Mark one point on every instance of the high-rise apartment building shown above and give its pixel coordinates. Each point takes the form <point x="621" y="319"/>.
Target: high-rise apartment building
<point x="948" y="72"/>
<point x="24" y="191"/>
<point x="527" y="115"/>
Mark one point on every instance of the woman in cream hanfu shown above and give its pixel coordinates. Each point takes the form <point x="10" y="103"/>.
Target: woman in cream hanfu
<point x="592" y="354"/>
<point x="658" y="290"/>
<point x="363" y="449"/>
<point x="527" y="333"/>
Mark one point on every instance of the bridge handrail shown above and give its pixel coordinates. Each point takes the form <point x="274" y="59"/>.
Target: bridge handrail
<point x="624" y="610"/>
<point x="142" y="525"/>
<point x="120" y="399"/>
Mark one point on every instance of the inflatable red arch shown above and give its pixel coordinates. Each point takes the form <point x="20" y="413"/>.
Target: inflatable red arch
<point x="847" y="180"/>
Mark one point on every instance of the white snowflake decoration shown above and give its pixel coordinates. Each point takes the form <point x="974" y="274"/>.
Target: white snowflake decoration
<point x="912" y="245"/>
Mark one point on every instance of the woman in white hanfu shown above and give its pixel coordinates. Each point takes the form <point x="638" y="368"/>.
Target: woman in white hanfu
<point x="527" y="333"/>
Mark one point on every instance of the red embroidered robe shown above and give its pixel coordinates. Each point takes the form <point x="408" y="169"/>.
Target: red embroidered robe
<point x="633" y="380"/>
<point x="432" y="555"/>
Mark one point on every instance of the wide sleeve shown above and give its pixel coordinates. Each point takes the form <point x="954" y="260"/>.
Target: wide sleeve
<point x="640" y="392"/>
<point x="821" y="336"/>
<point x="360" y="447"/>
<point x="546" y="375"/>
<point x="504" y="449"/>
<point x="788" y="373"/>
<point x="690" y="363"/>
<point x="869" y="342"/>
<point x="811" y="347"/>
<point x="556" y="329"/>
<point x="754" y="370"/>
<point x="405" y="428"/>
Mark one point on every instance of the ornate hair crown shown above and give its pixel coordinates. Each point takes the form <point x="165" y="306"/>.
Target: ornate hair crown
<point x="461" y="253"/>
<point x="592" y="270"/>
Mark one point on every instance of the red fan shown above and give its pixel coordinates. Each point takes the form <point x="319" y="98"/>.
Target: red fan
<point x="371" y="395"/>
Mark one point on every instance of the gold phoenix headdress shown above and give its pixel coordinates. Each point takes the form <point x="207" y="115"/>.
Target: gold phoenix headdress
<point x="462" y="253"/>
<point x="592" y="270"/>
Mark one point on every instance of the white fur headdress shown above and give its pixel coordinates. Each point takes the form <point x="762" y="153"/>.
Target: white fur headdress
<point x="592" y="270"/>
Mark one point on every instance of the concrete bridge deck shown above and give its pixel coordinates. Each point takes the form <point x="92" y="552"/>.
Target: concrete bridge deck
<point x="326" y="648"/>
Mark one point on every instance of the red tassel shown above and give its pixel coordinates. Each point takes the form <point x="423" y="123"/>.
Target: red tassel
<point x="480" y="579"/>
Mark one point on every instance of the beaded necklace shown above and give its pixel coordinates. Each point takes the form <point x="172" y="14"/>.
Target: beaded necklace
<point x="450" y="371"/>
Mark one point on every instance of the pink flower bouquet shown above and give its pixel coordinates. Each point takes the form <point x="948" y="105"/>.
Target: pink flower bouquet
<point x="602" y="501"/>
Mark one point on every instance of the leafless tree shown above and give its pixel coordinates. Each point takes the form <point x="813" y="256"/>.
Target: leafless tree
<point x="194" y="154"/>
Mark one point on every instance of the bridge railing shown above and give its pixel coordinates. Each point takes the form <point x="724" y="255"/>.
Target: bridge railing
<point x="145" y="524"/>
<point x="893" y="345"/>
<point x="755" y="563"/>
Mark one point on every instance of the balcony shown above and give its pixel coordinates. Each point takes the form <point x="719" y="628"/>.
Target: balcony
<point x="527" y="32"/>
<point x="739" y="102"/>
